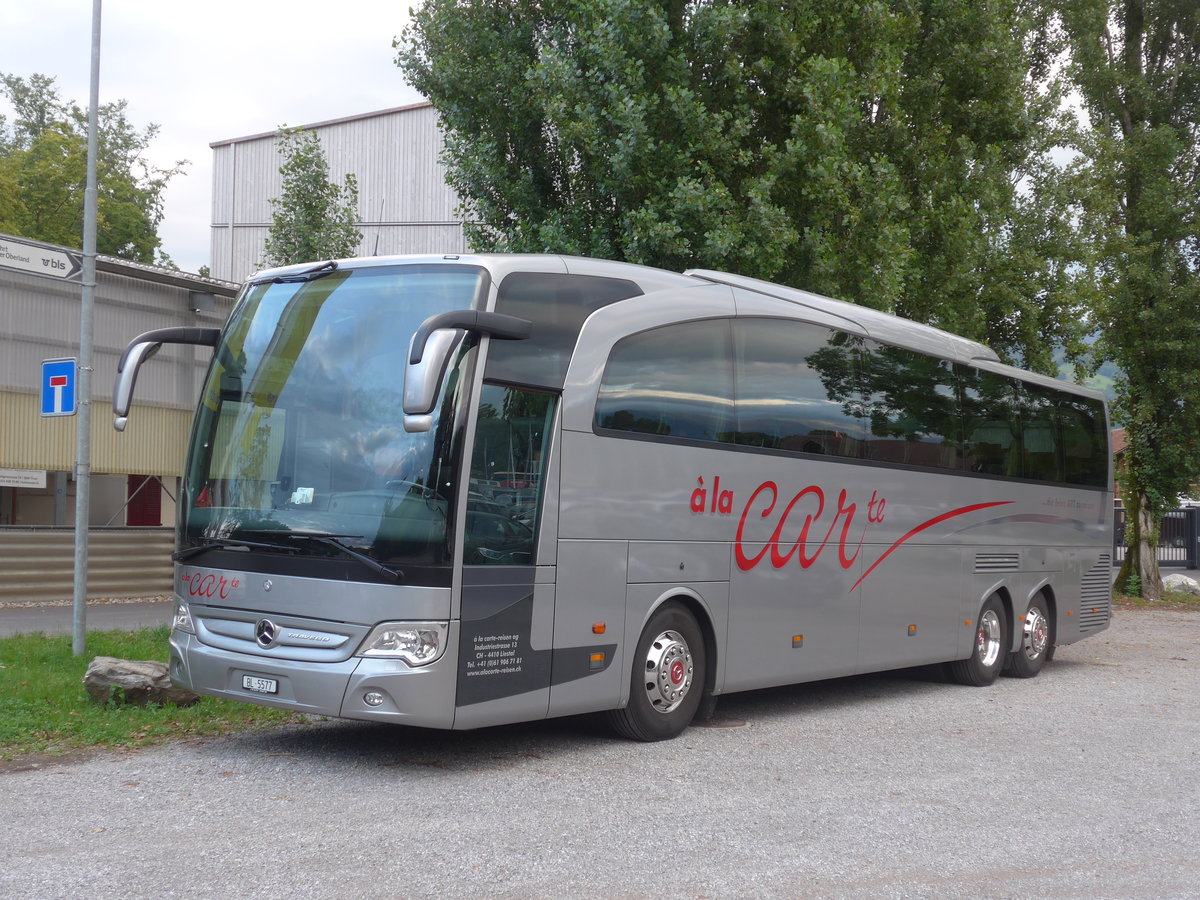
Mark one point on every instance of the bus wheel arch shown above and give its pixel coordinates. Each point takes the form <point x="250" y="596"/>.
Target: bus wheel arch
<point x="990" y="646"/>
<point x="701" y="614"/>
<point x="1034" y="639"/>
<point x="670" y="674"/>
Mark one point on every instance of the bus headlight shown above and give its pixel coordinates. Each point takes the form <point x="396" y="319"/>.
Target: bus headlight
<point x="183" y="619"/>
<point x="416" y="643"/>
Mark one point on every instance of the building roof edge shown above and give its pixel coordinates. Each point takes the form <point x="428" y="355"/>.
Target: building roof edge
<point x="339" y="121"/>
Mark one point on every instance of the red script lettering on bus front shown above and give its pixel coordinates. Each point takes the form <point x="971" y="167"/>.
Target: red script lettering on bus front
<point x="797" y="532"/>
<point x="209" y="586"/>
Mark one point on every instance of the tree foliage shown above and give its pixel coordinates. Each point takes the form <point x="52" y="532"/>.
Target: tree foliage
<point x="43" y="173"/>
<point x="314" y="218"/>
<point x="890" y="153"/>
<point x="1136" y="64"/>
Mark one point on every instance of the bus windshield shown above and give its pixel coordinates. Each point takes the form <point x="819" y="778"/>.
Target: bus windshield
<point x="298" y="433"/>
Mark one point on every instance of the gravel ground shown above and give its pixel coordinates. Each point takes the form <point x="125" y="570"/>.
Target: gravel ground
<point x="1079" y="783"/>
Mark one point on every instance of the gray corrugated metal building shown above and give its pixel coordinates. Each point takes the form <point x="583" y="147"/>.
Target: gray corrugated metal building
<point x="404" y="203"/>
<point x="39" y="319"/>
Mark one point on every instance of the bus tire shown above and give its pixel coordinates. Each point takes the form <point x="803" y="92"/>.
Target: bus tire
<point x="990" y="649"/>
<point x="667" y="681"/>
<point x="1037" y="639"/>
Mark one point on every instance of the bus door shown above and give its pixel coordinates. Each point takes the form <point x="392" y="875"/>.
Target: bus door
<point x="507" y="598"/>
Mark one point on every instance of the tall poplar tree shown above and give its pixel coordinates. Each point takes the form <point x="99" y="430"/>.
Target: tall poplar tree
<point x="889" y="153"/>
<point x="1136" y="64"/>
<point x="314" y="218"/>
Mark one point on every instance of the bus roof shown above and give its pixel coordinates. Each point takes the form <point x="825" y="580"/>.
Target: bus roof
<point x="877" y="324"/>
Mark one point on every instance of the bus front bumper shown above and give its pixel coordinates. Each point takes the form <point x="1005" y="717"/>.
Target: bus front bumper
<point x="421" y="696"/>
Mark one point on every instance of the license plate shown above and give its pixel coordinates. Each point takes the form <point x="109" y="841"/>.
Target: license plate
<point x="260" y="685"/>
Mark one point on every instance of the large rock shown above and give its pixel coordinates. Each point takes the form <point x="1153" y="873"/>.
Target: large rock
<point x="137" y="682"/>
<point x="1181" y="584"/>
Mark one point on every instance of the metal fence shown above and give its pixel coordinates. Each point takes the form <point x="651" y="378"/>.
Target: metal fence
<point x="38" y="563"/>
<point x="1177" y="543"/>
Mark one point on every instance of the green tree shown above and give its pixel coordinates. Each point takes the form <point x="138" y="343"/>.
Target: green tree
<point x="43" y="172"/>
<point x="1136" y="64"/>
<point x="314" y="218"/>
<point x="889" y="153"/>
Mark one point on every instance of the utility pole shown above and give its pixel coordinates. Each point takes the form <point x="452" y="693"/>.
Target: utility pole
<point x="83" y="423"/>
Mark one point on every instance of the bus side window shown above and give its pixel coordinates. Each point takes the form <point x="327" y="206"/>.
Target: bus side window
<point x="910" y="400"/>
<point x="798" y="388"/>
<point x="1040" y="435"/>
<point x="991" y="423"/>
<point x="673" y="382"/>
<point x="1085" y="441"/>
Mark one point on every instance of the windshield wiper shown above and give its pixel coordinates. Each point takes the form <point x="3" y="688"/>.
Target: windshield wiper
<point x="214" y="543"/>
<point x="327" y="540"/>
<point x="319" y="271"/>
<point x="332" y="540"/>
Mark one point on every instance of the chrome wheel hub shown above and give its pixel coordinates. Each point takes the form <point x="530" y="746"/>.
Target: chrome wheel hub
<point x="668" y="671"/>
<point x="1037" y="633"/>
<point x="987" y="638"/>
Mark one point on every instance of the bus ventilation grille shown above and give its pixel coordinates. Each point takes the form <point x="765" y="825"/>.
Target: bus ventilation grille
<point x="997" y="562"/>
<point x="1095" y="595"/>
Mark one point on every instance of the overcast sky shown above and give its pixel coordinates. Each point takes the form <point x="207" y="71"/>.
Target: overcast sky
<point x="212" y="70"/>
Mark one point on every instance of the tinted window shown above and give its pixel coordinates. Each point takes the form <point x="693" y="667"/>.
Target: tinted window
<point x="1084" y="440"/>
<point x="991" y="423"/>
<point x="794" y="386"/>
<point x="911" y="404"/>
<point x="798" y="388"/>
<point x="674" y="382"/>
<point x="1041" y="434"/>
<point x="557" y="305"/>
<point x="504" y="492"/>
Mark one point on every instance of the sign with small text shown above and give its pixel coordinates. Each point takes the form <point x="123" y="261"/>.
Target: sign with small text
<point x="39" y="260"/>
<point x="23" y="478"/>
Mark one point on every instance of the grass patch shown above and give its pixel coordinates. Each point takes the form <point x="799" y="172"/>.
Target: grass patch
<point x="1171" y="600"/>
<point x="45" y="709"/>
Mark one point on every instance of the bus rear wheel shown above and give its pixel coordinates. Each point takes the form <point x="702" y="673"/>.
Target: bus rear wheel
<point x="667" y="680"/>
<point x="990" y="649"/>
<point x="1037" y="639"/>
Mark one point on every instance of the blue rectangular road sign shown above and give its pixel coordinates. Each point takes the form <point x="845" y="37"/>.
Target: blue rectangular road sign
<point x="58" y="387"/>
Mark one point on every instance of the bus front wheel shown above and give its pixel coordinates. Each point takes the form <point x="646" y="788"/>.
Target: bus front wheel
<point x="989" y="650"/>
<point x="668" y="677"/>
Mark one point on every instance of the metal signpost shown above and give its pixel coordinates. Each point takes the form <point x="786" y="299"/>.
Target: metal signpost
<point x="83" y="434"/>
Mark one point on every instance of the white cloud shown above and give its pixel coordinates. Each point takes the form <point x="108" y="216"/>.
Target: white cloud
<point x="209" y="71"/>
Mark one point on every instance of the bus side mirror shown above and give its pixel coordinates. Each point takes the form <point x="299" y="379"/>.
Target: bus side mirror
<point x="430" y="351"/>
<point x="423" y="379"/>
<point x="140" y="349"/>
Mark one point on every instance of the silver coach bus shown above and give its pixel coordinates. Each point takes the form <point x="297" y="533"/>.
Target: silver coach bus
<point x="468" y="490"/>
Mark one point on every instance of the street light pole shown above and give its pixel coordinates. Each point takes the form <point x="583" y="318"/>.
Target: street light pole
<point x="83" y="424"/>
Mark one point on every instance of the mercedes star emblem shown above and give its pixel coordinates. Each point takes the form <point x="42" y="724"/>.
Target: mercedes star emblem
<point x="266" y="633"/>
